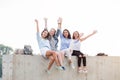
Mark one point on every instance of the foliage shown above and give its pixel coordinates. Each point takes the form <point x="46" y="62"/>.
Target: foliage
<point x="5" y="49"/>
<point x="0" y="66"/>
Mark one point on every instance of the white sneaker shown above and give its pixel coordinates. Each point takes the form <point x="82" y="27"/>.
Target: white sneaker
<point x="85" y="71"/>
<point x="59" y="68"/>
<point x="48" y="71"/>
<point x="73" y="67"/>
<point x="80" y="71"/>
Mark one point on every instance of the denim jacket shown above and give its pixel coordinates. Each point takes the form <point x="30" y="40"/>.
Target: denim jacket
<point x="54" y="40"/>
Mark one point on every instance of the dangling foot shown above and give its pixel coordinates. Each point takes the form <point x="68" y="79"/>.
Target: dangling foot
<point x="48" y="71"/>
<point x="80" y="70"/>
<point x="59" y="68"/>
<point x="63" y="67"/>
<point x="85" y="70"/>
<point x="72" y="66"/>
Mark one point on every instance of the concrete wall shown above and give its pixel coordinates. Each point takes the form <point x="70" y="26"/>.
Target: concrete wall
<point x="21" y="67"/>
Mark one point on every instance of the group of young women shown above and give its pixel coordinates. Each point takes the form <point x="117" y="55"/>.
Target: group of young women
<point x="48" y="43"/>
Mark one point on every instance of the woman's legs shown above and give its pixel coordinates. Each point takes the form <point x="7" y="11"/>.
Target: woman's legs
<point x="79" y="61"/>
<point x="68" y="53"/>
<point x="80" y="56"/>
<point x="54" y="55"/>
<point x="84" y="60"/>
<point x="77" y="53"/>
<point x="51" y="62"/>
<point x="84" y="64"/>
<point x="60" y="58"/>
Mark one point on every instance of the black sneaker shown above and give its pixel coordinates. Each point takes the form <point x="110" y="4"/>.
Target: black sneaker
<point x="63" y="67"/>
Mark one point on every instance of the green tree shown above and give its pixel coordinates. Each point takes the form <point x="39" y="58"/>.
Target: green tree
<point x="0" y="66"/>
<point x="5" y="49"/>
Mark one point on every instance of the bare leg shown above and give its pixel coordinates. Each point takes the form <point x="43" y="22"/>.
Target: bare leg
<point x="60" y="58"/>
<point x="54" y="55"/>
<point x="51" y="62"/>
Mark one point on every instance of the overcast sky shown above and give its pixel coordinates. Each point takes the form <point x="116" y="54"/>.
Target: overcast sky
<point x="17" y="26"/>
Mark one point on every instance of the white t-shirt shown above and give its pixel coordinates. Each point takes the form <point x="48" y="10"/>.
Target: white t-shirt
<point x="75" y="45"/>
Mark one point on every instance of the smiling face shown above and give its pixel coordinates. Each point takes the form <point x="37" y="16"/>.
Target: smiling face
<point x="65" y="33"/>
<point x="76" y="35"/>
<point x="52" y="32"/>
<point x="44" y="34"/>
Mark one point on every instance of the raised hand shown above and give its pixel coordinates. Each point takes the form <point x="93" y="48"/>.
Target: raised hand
<point x="37" y="25"/>
<point x="36" y="20"/>
<point x="59" y="20"/>
<point x="81" y="34"/>
<point x="45" y="19"/>
<point x="95" y="31"/>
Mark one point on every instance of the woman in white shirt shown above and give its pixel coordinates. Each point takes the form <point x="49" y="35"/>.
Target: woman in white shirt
<point x="75" y="49"/>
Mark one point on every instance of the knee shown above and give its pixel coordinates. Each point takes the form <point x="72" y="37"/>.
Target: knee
<point x="84" y="55"/>
<point x="80" y="56"/>
<point x="52" y="59"/>
<point x="54" y="53"/>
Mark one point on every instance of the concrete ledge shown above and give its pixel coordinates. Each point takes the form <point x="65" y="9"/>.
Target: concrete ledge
<point x="26" y="67"/>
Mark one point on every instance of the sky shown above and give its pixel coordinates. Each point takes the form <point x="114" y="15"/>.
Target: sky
<point x="17" y="25"/>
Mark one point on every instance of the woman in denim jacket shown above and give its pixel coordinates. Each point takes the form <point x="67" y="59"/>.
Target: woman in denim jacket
<point x="53" y="39"/>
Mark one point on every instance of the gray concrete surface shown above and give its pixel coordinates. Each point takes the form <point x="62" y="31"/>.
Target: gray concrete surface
<point x="20" y="67"/>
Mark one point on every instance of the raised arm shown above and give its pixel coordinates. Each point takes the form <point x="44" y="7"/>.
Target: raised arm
<point x="59" y="21"/>
<point x="37" y="26"/>
<point x="94" y="32"/>
<point x="59" y="26"/>
<point x="45" y="19"/>
<point x="37" y="34"/>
